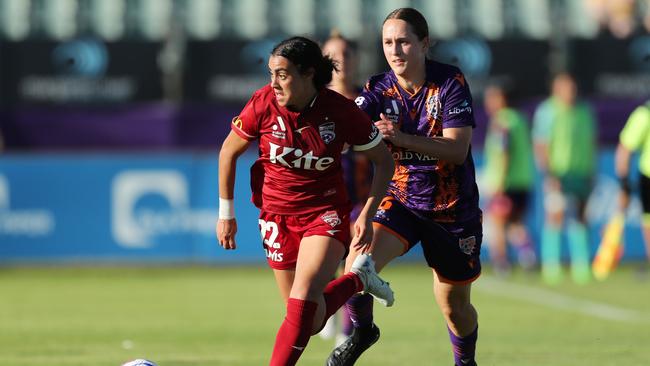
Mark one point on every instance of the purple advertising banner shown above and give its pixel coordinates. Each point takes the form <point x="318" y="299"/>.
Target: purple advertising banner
<point x="136" y="127"/>
<point x="163" y="126"/>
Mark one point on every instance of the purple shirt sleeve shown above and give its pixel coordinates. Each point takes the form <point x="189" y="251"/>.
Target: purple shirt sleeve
<point x="368" y="101"/>
<point x="457" y="103"/>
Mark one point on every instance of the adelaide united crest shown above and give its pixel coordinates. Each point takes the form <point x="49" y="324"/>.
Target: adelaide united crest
<point x="331" y="218"/>
<point x="326" y="131"/>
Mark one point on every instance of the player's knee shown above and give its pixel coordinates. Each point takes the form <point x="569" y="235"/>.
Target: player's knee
<point x="457" y="312"/>
<point x="306" y="291"/>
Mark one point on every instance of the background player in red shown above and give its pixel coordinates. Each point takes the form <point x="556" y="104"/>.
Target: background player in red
<point x="297" y="182"/>
<point x="424" y="111"/>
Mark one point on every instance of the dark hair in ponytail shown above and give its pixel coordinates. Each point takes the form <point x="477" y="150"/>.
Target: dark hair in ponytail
<point x="305" y="54"/>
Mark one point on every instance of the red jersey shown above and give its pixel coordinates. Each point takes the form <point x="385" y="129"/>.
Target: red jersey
<point x="299" y="166"/>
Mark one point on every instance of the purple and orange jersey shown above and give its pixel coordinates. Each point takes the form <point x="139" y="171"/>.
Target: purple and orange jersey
<point x="436" y="189"/>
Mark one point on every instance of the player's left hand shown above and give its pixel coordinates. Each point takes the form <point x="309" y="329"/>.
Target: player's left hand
<point x="390" y="130"/>
<point x="362" y="237"/>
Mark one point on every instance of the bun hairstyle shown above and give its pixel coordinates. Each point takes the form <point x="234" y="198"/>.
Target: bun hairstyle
<point x="305" y="54"/>
<point x="414" y="18"/>
<point x="336" y="34"/>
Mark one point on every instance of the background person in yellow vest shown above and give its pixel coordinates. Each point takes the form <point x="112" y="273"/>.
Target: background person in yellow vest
<point x="634" y="137"/>
<point x="564" y="133"/>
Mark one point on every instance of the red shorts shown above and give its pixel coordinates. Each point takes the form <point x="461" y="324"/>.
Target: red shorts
<point x="281" y="234"/>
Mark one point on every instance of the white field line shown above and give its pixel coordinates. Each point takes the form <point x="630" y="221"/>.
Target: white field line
<point x="539" y="296"/>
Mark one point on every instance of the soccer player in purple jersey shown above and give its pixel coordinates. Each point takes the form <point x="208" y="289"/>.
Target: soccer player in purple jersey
<point x="424" y="111"/>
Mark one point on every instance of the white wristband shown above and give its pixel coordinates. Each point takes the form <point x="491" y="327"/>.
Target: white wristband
<point x="226" y="209"/>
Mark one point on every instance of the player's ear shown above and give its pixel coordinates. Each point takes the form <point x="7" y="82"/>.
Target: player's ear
<point x="426" y="43"/>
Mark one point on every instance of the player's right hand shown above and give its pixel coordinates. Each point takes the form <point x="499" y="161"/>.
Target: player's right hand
<point x="226" y="230"/>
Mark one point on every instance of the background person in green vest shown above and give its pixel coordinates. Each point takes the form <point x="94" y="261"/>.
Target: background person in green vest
<point x="564" y="132"/>
<point x="635" y="136"/>
<point x="508" y="177"/>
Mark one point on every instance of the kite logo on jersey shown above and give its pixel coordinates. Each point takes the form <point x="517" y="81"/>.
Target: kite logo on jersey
<point x="467" y="245"/>
<point x="291" y="157"/>
<point x="326" y="131"/>
<point x="464" y="107"/>
<point x="331" y="218"/>
<point x="282" y="133"/>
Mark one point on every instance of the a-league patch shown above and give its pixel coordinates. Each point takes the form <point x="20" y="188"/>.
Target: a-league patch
<point x="326" y="131"/>
<point x="467" y="245"/>
<point x="331" y="218"/>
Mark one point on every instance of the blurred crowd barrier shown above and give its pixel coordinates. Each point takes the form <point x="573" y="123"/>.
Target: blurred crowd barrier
<point x="161" y="208"/>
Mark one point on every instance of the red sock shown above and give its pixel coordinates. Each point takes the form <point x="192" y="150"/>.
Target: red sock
<point x="294" y="332"/>
<point x="338" y="291"/>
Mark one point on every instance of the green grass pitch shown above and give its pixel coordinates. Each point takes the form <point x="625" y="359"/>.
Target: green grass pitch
<point x="229" y="315"/>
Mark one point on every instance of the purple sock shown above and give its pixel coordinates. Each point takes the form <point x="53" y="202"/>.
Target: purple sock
<point x="464" y="347"/>
<point x="360" y="308"/>
<point x="346" y="322"/>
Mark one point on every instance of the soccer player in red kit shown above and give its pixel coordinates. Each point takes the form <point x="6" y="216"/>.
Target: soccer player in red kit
<point x="302" y="128"/>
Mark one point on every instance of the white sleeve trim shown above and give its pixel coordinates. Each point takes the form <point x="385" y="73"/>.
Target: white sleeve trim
<point x="369" y="145"/>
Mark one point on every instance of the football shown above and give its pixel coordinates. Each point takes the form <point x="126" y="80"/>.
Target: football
<point x="140" y="362"/>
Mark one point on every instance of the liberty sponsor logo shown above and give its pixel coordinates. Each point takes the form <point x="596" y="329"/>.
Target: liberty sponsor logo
<point x="148" y="204"/>
<point x="22" y="222"/>
<point x="467" y="245"/>
<point x="463" y="107"/>
<point x="271" y="246"/>
<point x="291" y="157"/>
<point x="373" y="133"/>
<point x="326" y="131"/>
<point x="331" y="218"/>
<point x="279" y="129"/>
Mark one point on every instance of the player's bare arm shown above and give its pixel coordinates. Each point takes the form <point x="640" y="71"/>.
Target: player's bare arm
<point x="452" y="146"/>
<point x="383" y="172"/>
<point x="231" y="149"/>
